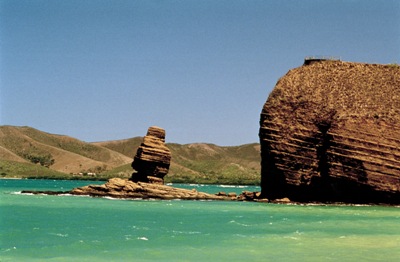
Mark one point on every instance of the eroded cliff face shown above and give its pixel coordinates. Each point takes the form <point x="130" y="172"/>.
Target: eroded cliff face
<point x="152" y="159"/>
<point x="330" y="132"/>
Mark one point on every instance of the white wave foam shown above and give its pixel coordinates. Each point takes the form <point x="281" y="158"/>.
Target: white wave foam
<point x="66" y="195"/>
<point x="8" y="249"/>
<point x="111" y="198"/>
<point x="240" y="224"/>
<point x="59" y="234"/>
<point x="143" y="238"/>
<point x="186" y="232"/>
<point x="232" y="186"/>
<point x="128" y="237"/>
<point x="26" y="194"/>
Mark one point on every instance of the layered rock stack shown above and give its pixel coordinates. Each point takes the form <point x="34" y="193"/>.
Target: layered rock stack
<point x="330" y="132"/>
<point x="152" y="159"/>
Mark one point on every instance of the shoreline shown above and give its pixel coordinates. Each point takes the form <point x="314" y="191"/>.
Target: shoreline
<point x="124" y="189"/>
<point x="67" y="193"/>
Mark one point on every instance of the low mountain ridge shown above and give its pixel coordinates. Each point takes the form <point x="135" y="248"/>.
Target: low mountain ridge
<point x="68" y="155"/>
<point x="191" y="163"/>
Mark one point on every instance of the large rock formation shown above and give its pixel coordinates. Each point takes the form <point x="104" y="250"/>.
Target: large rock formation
<point x="330" y="132"/>
<point x="152" y="158"/>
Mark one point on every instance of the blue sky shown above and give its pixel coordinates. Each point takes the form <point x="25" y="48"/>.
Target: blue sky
<point x="108" y="69"/>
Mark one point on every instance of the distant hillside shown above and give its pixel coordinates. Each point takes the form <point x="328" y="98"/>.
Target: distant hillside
<point x="11" y="169"/>
<point x="200" y="162"/>
<point x="191" y="163"/>
<point x="60" y="153"/>
<point x="126" y="147"/>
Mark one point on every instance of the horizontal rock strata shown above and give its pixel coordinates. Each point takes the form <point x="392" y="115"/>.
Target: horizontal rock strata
<point x="152" y="159"/>
<point x="330" y="132"/>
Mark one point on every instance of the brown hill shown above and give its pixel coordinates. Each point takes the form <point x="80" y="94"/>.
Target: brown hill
<point x="9" y="155"/>
<point x="70" y="155"/>
<point x="194" y="163"/>
<point x="330" y="131"/>
<point x="126" y="147"/>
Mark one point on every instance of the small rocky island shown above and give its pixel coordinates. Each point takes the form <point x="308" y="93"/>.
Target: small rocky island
<point x="151" y="163"/>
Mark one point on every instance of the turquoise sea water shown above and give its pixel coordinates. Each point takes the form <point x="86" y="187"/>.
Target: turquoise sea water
<point x="71" y="228"/>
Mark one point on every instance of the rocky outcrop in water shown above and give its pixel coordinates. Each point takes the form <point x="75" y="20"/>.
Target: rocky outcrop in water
<point x="330" y="132"/>
<point x="152" y="159"/>
<point x="122" y="188"/>
<point x="127" y="189"/>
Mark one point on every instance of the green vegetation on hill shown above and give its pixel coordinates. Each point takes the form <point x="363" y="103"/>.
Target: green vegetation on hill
<point x="22" y="149"/>
<point x="43" y="160"/>
<point x="13" y="169"/>
<point x="60" y="153"/>
<point x="66" y="143"/>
